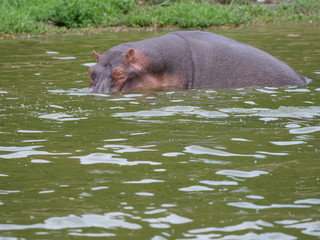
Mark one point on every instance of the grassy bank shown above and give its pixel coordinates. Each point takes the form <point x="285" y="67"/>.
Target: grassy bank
<point x="62" y="16"/>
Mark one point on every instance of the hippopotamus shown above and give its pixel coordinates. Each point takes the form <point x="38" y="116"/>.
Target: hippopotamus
<point x="188" y="60"/>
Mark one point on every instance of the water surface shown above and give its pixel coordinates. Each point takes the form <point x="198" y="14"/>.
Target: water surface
<point x="197" y="164"/>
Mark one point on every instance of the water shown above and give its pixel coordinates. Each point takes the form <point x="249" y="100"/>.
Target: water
<point x="198" y="164"/>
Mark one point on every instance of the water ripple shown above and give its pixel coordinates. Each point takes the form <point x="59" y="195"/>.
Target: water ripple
<point x="170" y="219"/>
<point x="242" y="226"/>
<point x="219" y="183"/>
<point x="24" y="154"/>
<point x="145" y="194"/>
<point x="110" y="158"/>
<point x="247" y="236"/>
<point x="243" y="174"/>
<point x="144" y="181"/>
<point x="248" y="205"/>
<point x="195" y="188"/>
<point x="273" y="153"/>
<point x="5" y="192"/>
<point x="308" y="201"/>
<point x="287" y="143"/>
<point x="172" y="111"/>
<point x="202" y="150"/>
<point x="17" y="149"/>
<point x="108" y="221"/>
<point x="309" y="228"/>
<point x="281" y="112"/>
<point x="126" y="149"/>
<point x="305" y="130"/>
<point x="61" y="117"/>
<point x="64" y="58"/>
<point x="92" y="234"/>
<point x="172" y="154"/>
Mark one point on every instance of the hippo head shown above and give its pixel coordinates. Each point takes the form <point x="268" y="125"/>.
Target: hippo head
<point x="117" y="70"/>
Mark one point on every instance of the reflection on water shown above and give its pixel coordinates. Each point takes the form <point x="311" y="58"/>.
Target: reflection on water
<point x="107" y="221"/>
<point x="198" y="164"/>
<point x="110" y="158"/>
<point x="207" y="151"/>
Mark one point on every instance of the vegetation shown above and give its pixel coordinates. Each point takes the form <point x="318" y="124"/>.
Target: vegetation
<point x="59" y="16"/>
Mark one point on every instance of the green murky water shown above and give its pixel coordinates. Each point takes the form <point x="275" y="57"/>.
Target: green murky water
<point x="199" y="164"/>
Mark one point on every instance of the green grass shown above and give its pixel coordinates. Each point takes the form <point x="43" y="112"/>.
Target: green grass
<point x="60" y="16"/>
<point x="186" y="15"/>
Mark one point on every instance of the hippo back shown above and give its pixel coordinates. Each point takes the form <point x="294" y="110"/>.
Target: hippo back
<point x="219" y="61"/>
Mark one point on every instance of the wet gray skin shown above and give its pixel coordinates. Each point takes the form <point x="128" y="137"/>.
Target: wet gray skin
<point x="186" y="60"/>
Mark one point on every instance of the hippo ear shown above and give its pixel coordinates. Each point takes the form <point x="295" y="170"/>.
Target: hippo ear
<point x="97" y="55"/>
<point x="131" y="55"/>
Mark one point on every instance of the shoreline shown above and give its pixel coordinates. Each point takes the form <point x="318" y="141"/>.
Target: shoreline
<point x="89" y="31"/>
<point x="102" y="30"/>
<point x="34" y="18"/>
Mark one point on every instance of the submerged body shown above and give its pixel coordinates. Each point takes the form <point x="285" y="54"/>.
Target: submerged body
<point x="186" y="60"/>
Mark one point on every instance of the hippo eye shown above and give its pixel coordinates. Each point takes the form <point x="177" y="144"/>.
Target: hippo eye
<point x="118" y="73"/>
